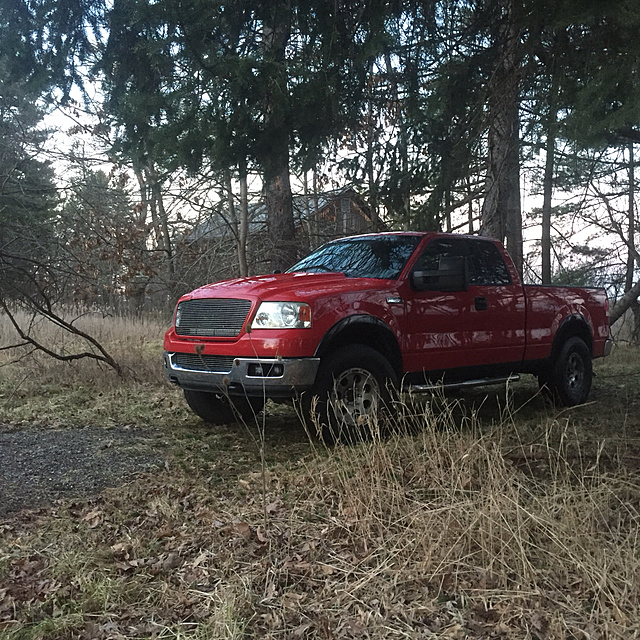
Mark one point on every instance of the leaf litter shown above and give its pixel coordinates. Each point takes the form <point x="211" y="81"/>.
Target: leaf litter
<point x="444" y="532"/>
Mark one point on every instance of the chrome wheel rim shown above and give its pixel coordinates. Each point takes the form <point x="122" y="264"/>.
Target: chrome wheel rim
<point x="355" y="397"/>
<point x="575" y="371"/>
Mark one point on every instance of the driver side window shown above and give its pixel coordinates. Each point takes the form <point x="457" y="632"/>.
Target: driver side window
<point x="438" y="249"/>
<point x="486" y="266"/>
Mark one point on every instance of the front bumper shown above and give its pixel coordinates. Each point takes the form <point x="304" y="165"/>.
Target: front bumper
<point x="264" y="377"/>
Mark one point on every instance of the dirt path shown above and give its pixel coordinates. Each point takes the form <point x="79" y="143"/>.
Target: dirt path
<point x="39" y="465"/>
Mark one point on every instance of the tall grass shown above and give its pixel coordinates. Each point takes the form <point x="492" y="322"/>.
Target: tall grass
<point x="135" y="343"/>
<point x="34" y="387"/>
<point x="438" y="521"/>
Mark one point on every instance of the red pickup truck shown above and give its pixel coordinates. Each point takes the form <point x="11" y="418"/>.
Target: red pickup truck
<point x="366" y="315"/>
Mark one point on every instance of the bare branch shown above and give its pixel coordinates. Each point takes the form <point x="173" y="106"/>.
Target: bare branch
<point x="101" y="356"/>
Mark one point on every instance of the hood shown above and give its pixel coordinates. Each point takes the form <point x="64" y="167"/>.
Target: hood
<point x="284" y="286"/>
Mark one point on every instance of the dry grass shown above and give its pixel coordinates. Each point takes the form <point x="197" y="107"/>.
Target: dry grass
<point x="136" y="344"/>
<point x="473" y="520"/>
<point x="36" y="388"/>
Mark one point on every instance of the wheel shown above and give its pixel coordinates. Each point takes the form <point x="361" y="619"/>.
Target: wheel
<point x="353" y="388"/>
<point x="569" y="379"/>
<point x="217" y="408"/>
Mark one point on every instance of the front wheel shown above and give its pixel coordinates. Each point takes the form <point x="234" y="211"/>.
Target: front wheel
<point x="353" y="390"/>
<point x="218" y="408"/>
<point x="569" y="378"/>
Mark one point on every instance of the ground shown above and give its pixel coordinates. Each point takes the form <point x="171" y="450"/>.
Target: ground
<point x="39" y="465"/>
<point x="487" y="516"/>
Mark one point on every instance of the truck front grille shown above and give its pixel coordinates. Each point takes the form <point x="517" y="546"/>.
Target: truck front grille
<point x="195" y="362"/>
<point x="212" y="317"/>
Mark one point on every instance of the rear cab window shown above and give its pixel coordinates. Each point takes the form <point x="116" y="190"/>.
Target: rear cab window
<point x="485" y="263"/>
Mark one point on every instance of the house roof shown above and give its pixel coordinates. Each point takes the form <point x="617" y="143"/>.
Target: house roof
<point x="217" y="226"/>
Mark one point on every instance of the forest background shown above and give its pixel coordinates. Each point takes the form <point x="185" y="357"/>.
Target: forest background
<point x="442" y="115"/>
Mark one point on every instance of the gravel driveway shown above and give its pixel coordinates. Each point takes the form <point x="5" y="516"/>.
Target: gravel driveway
<point x="39" y="465"/>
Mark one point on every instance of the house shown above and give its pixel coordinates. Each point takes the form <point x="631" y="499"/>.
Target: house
<point x="208" y="251"/>
<point x="318" y="218"/>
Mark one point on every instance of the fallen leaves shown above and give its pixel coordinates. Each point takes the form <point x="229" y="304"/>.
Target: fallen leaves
<point x="94" y="518"/>
<point x="243" y="530"/>
<point x="320" y="555"/>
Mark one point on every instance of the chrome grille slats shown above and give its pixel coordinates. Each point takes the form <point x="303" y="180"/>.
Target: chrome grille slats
<point x="212" y="317"/>
<point x="195" y="362"/>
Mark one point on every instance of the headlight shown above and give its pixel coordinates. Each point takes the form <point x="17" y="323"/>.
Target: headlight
<point x="282" y="315"/>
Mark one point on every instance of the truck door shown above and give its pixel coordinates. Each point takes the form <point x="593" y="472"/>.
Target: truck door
<point x="498" y="307"/>
<point x="479" y="325"/>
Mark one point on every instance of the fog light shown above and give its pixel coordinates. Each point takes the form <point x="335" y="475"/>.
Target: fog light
<point x="265" y="370"/>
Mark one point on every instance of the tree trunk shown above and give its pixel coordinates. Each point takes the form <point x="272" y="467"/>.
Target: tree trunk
<point x="243" y="226"/>
<point x="275" y="159"/>
<point x="316" y="211"/>
<point x="547" y="197"/>
<point x="559" y="41"/>
<point x="635" y="332"/>
<point x="145" y="205"/>
<point x="231" y="204"/>
<point x="631" y="256"/>
<point x="157" y="203"/>
<point x="308" y="216"/>
<point x="624" y="303"/>
<point x="239" y="223"/>
<point x="370" y="155"/>
<point x="278" y="200"/>
<point x="501" y="210"/>
<point x="470" y="204"/>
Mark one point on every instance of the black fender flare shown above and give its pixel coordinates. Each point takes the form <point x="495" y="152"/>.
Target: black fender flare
<point x="576" y="325"/>
<point x="363" y="329"/>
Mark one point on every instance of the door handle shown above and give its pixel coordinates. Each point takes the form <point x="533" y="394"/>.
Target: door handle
<point x="481" y="303"/>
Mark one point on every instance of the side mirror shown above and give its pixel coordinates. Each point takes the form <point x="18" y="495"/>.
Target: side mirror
<point x="451" y="275"/>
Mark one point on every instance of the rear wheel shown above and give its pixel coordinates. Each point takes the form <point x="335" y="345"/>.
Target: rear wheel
<point x="218" y="408"/>
<point x="569" y="378"/>
<point x="353" y="390"/>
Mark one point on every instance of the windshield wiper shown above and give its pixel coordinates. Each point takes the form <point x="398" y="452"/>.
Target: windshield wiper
<point x="319" y="267"/>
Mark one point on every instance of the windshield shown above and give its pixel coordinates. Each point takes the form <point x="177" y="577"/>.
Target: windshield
<point x="362" y="257"/>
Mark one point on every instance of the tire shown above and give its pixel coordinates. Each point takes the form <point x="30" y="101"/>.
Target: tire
<point x="353" y="391"/>
<point x="217" y="408"/>
<point x="571" y="373"/>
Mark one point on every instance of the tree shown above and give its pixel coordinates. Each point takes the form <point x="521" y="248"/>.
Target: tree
<point x="579" y="51"/>
<point x="501" y="211"/>
<point x="28" y="195"/>
<point x="419" y="137"/>
<point x="33" y="271"/>
<point x="593" y="108"/>
<point x="104" y="240"/>
<point x="276" y="17"/>
<point x="417" y="95"/>
<point x="231" y="85"/>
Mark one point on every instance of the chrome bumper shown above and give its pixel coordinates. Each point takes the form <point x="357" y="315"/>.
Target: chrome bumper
<point x="270" y="377"/>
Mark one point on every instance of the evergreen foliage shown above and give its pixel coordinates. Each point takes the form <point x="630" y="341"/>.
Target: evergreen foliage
<point x="432" y="107"/>
<point x="28" y="194"/>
